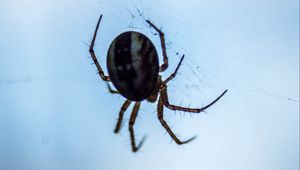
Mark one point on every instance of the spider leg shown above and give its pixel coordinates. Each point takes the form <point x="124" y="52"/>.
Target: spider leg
<point x="121" y="113"/>
<point x="175" y="72"/>
<point x="160" y="115"/>
<point x="164" y="95"/>
<point x="111" y="90"/>
<point x="93" y="55"/>
<point x="131" y="130"/>
<point x="164" y="66"/>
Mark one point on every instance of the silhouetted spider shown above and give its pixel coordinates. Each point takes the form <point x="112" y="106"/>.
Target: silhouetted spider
<point x="133" y="68"/>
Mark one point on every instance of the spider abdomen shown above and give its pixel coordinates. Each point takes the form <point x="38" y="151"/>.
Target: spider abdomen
<point x="132" y="64"/>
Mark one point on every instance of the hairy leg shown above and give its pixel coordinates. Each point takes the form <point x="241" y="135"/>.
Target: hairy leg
<point x="175" y="72"/>
<point x="160" y="115"/>
<point x="121" y="113"/>
<point x="131" y="130"/>
<point x="164" y="95"/>
<point x="164" y="66"/>
<point x="93" y="55"/>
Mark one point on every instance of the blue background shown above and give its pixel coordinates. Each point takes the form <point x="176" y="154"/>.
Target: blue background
<point x="55" y="112"/>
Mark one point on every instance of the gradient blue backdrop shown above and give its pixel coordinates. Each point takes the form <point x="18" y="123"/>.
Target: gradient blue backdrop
<point x="56" y="114"/>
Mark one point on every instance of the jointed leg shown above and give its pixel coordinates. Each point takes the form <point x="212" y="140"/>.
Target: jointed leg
<point x="164" y="66"/>
<point x="175" y="72"/>
<point x="165" y="99"/>
<point x="93" y="55"/>
<point x="164" y="95"/>
<point x="121" y="113"/>
<point x="160" y="109"/>
<point x="110" y="89"/>
<point x="131" y="130"/>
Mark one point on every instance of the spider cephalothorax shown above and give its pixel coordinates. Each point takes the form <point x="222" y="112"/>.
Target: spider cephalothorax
<point x="133" y="68"/>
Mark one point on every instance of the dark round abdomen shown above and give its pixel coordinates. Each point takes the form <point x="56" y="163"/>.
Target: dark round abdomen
<point x="132" y="64"/>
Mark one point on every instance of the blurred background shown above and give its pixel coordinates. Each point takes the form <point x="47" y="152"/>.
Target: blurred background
<point x="56" y="113"/>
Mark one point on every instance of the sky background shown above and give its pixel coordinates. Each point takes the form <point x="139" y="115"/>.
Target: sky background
<point x="56" y="114"/>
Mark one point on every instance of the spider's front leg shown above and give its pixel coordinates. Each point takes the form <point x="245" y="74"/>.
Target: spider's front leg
<point x="165" y="65"/>
<point x="160" y="115"/>
<point x="93" y="55"/>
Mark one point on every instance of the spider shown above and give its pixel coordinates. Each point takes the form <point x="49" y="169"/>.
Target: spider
<point x="133" y="68"/>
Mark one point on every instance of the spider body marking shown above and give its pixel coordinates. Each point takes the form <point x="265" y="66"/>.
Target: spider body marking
<point x="132" y="63"/>
<point x="133" y="68"/>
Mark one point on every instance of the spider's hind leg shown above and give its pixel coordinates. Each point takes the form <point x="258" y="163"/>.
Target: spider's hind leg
<point x="121" y="113"/>
<point x="164" y="95"/>
<point x="131" y="130"/>
<point x="160" y="115"/>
